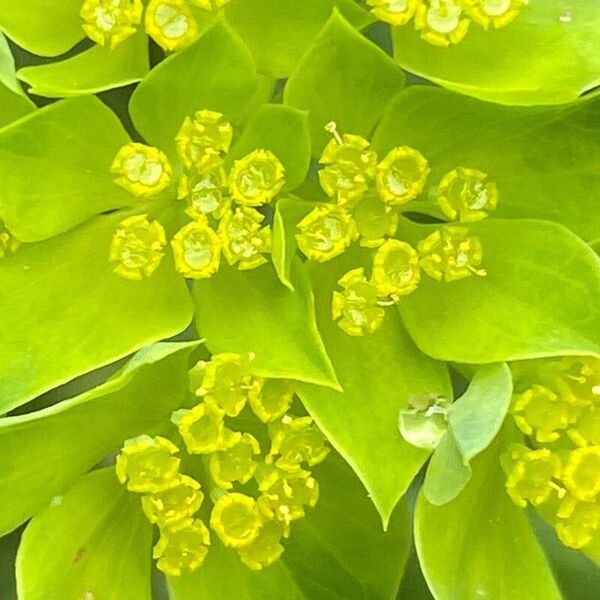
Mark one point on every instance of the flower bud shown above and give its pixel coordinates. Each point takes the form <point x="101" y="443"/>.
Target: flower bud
<point x="272" y="399"/>
<point x="236" y="520"/>
<point x="374" y="221"/>
<point x="236" y="463"/>
<point x="266" y="548"/>
<point x="424" y="421"/>
<point x="182" y="547"/>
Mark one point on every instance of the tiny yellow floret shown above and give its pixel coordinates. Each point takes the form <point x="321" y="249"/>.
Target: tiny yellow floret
<point x="235" y="518"/>
<point x="578" y="530"/>
<point x="206" y="193"/>
<point x="326" y="232"/>
<point x="137" y="246"/>
<point x="394" y="12"/>
<point x="441" y="22"/>
<point x="174" y="505"/>
<point x="582" y="473"/>
<point x="147" y="464"/>
<point x="170" y="23"/>
<point x="396" y="270"/>
<point x="356" y="309"/>
<point x="235" y="463"/>
<point x="374" y="220"/>
<point x="493" y="12"/>
<point x="266" y="548"/>
<point x="401" y="175"/>
<point x="256" y="179"/>
<point x="204" y="140"/>
<point x="245" y="239"/>
<point x="182" y="547"/>
<point x="450" y="254"/>
<point x="110" y="22"/>
<point x="143" y="170"/>
<point x="197" y="250"/>
<point x="466" y="195"/>
<point x="271" y="399"/>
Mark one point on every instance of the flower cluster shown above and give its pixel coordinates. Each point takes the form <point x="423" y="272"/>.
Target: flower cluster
<point x="446" y="22"/>
<point x="560" y="414"/>
<point x="222" y="204"/>
<point x="256" y="494"/>
<point x="172" y="24"/>
<point x="366" y="196"/>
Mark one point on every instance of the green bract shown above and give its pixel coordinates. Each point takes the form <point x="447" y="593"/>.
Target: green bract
<point x="311" y="259"/>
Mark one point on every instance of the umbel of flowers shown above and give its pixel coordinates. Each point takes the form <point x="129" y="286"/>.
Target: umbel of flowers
<point x="446" y="22"/>
<point x="365" y="199"/>
<point x="558" y="469"/>
<point x="172" y="24"/>
<point x="257" y="491"/>
<point x="222" y="204"/>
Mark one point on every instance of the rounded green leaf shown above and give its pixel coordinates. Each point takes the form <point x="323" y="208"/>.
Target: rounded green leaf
<point x="543" y="165"/>
<point x="337" y="552"/>
<point x="43" y="452"/>
<point x="45" y="27"/>
<point x="481" y="545"/>
<point x="539" y="298"/>
<point x="216" y="72"/>
<point x="549" y="54"/>
<point x="251" y="311"/>
<point x="65" y="311"/>
<point x="278" y="31"/>
<point x="93" y="70"/>
<point x="55" y="168"/>
<point x="378" y="373"/>
<point x="71" y="549"/>
<point x="342" y="77"/>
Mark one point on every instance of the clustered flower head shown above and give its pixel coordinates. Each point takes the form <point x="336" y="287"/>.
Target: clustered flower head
<point x="560" y="414"/>
<point x="223" y="204"/>
<point x="366" y="196"/>
<point x="256" y="492"/>
<point x="446" y="22"/>
<point x="172" y="24"/>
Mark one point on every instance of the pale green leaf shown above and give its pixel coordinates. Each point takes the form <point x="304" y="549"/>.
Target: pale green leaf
<point x="55" y="168"/>
<point x="544" y="160"/>
<point x="43" y="452"/>
<point x="342" y="77"/>
<point x="94" y="70"/>
<point x="278" y="31"/>
<point x="379" y="373"/>
<point x="92" y="542"/>
<point x="65" y="311"/>
<point x="14" y="104"/>
<point x="539" y="298"/>
<point x="548" y="55"/>
<point x="251" y="311"/>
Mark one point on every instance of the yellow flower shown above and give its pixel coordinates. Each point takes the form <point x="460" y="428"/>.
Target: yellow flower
<point x="401" y="175"/>
<point x="580" y="527"/>
<point x="531" y="474"/>
<point x="206" y="193"/>
<point x="494" y="12"/>
<point x="210" y="4"/>
<point x="236" y="520"/>
<point x="374" y="220"/>
<point x="170" y="23"/>
<point x="582" y="473"/>
<point x="204" y="140"/>
<point x="197" y="250"/>
<point x="182" y="548"/>
<point x="203" y="428"/>
<point x="235" y="463"/>
<point x="175" y="504"/>
<point x="356" y="309"/>
<point x="441" y="22"/>
<point x="466" y="195"/>
<point x="244" y="239"/>
<point x="225" y="380"/>
<point x="295" y="441"/>
<point x="326" y="232"/>
<point x="257" y="178"/>
<point x="348" y="167"/>
<point x="271" y="399"/>
<point x="450" y="254"/>
<point x="586" y="430"/>
<point x="137" y="247"/>
<point x="396" y="269"/>
<point x="147" y="464"/>
<point x="266" y="548"/>
<point x="541" y="412"/>
<point x="109" y="22"/>
<point x="394" y="12"/>
<point x="142" y="170"/>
